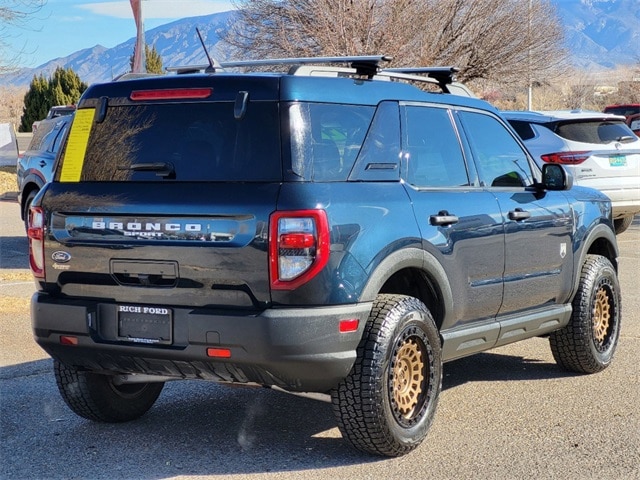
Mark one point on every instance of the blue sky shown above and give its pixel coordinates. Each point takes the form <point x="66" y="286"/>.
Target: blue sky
<point x="63" y="27"/>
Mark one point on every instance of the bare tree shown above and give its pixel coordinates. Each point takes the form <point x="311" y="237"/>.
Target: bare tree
<point x="14" y="13"/>
<point x="514" y="41"/>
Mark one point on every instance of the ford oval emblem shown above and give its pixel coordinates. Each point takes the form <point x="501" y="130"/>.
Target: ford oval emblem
<point x="60" y="256"/>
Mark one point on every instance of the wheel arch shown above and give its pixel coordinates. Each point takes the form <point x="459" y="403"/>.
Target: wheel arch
<point x="30" y="185"/>
<point x="413" y="272"/>
<point x="599" y="241"/>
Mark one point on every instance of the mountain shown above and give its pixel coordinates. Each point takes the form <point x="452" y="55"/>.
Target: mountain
<point x="176" y="42"/>
<point x="600" y="34"/>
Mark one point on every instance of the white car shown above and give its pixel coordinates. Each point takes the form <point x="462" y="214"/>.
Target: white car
<point x="598" y="149"/>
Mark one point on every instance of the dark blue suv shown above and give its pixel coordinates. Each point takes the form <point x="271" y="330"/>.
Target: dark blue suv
<point x="328" y="229"/>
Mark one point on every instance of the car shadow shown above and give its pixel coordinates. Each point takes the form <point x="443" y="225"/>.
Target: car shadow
<point x="14" y="252"/>
<point x="196" y="428"/>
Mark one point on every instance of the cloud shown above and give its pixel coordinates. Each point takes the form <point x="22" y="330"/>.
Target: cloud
<point x="152" y="9"/>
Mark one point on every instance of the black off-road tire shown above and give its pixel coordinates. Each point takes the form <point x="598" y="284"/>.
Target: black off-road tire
<point x="386" y="404"/>
<point x="622" y="224"/>
<point x="587" y="344"/>
<point x="96" y="397"/>
<point x="27" y="205"/>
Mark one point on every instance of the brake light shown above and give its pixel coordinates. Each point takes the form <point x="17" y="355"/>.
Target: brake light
<point x="35" y="232"/>
<point x="298" y="247"/>
<point x="566" y="158"/>
<point x="171" y="94"/>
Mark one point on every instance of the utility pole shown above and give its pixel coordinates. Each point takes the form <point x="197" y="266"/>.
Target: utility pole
<point x="138" y="53"/>
<point x="530" y="92"/>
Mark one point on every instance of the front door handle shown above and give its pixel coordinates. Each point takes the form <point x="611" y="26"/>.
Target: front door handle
<point x="519" y="214"/>
<point x="443" y="218"/>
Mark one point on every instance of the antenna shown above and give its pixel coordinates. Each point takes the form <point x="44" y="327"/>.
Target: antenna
<point x="213" y="63"/>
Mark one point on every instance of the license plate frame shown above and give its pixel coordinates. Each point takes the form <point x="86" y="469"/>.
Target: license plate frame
<point x="617" y="160"/>
<point x="145" y="324"/>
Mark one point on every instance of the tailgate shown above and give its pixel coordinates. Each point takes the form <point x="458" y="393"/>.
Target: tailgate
<point x="183" y="244"/>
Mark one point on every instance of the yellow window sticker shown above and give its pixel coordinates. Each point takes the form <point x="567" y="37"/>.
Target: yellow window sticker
<point x="77" y="145"/>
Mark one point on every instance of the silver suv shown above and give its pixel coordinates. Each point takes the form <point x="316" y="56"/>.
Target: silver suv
<point x="598" y="149"/>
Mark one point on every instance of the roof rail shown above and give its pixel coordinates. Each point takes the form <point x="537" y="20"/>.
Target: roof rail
<point x="367" y="65"/>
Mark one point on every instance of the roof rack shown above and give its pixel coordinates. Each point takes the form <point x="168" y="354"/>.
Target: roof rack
<point x="366" y="65"/>
<point x="362" y="66"/>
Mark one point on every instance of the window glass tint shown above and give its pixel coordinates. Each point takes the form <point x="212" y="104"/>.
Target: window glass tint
<point x="625" y="110"/>
<point x="500" y="160"/>
<point x="198" y="141"/>
<point x="326" y="139"/>
<point x="432" y="149"/>
<point x="598" y="131"/>
<point x="523" y="129"/>
<point x="41" y="138"/>
<point x="59" y="136"/>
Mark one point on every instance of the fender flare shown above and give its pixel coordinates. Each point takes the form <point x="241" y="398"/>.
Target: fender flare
<point x="600" y="231"/>
<point x="411" y="258"/>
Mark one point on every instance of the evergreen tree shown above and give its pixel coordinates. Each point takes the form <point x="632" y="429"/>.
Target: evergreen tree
<point x="63" y="88"/>
<point x="153" y="62"/>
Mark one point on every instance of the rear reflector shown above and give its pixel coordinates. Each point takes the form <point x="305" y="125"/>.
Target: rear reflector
<point x="349" y="325"/>
<point x="68" y="340"/>
<point x="219" y="352"/>
<point x="171" y="94"/>
<point x="566" y="158"/>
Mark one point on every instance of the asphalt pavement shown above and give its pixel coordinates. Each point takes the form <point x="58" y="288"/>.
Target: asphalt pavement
<point x="510" y="413"/>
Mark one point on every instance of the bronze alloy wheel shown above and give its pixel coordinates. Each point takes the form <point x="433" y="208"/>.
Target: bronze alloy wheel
<point x="407" y="377"/>
<point x="601" y="316"/>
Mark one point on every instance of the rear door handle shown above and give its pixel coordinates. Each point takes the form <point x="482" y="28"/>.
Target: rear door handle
<point x="519" y="214"/>
<point x="43" y="163"/>
<point x="443" y="218"/>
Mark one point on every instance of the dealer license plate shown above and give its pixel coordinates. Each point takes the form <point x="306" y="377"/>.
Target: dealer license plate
<point x="145" y="324"/>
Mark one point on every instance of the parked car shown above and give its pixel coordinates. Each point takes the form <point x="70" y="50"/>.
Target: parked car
<point x="331" y="229"/>
<point x="598" y="149"/>
<point x="35" y="166"/>
<point x="634" y="123"/>
<point x="625" y="110"/>
<point x="55" y="112"/>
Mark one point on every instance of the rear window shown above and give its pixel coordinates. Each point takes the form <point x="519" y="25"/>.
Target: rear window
<point x="185" y="142"/>
<point x="597" y="131"/>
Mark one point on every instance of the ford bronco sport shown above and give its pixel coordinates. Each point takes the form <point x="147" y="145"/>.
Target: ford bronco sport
<point x="329" y="229"/>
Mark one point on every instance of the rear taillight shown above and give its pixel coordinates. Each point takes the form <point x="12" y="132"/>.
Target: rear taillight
<point x="566" y="158"/>
<point x="299" y="247"/>
<point x="35" y="232"/>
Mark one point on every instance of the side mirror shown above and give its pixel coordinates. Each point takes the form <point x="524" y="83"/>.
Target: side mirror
<point x="555" y="177"/>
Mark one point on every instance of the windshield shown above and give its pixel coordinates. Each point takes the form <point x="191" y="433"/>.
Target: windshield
<point x="185" y="142"/>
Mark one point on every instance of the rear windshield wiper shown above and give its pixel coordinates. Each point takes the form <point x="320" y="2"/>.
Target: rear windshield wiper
<point x="626" y="138"/>
<point x="162" y="169"/>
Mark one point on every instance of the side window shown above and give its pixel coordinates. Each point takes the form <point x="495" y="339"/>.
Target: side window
<point x="379" y="157"/>
<point x="432" y="149"/>
<point x="500" y="160"/>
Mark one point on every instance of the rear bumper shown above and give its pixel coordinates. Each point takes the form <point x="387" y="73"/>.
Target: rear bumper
<point x="625" y="197"/>
<point x="296" y="349"/>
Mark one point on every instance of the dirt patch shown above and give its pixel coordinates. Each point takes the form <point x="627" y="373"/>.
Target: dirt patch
<point x="14" y="304"/>
<point x="8" y="180"/>
<point x="18" y="276"/>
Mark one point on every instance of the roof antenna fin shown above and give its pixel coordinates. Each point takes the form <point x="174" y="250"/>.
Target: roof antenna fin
<point x="213" y="63"/>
